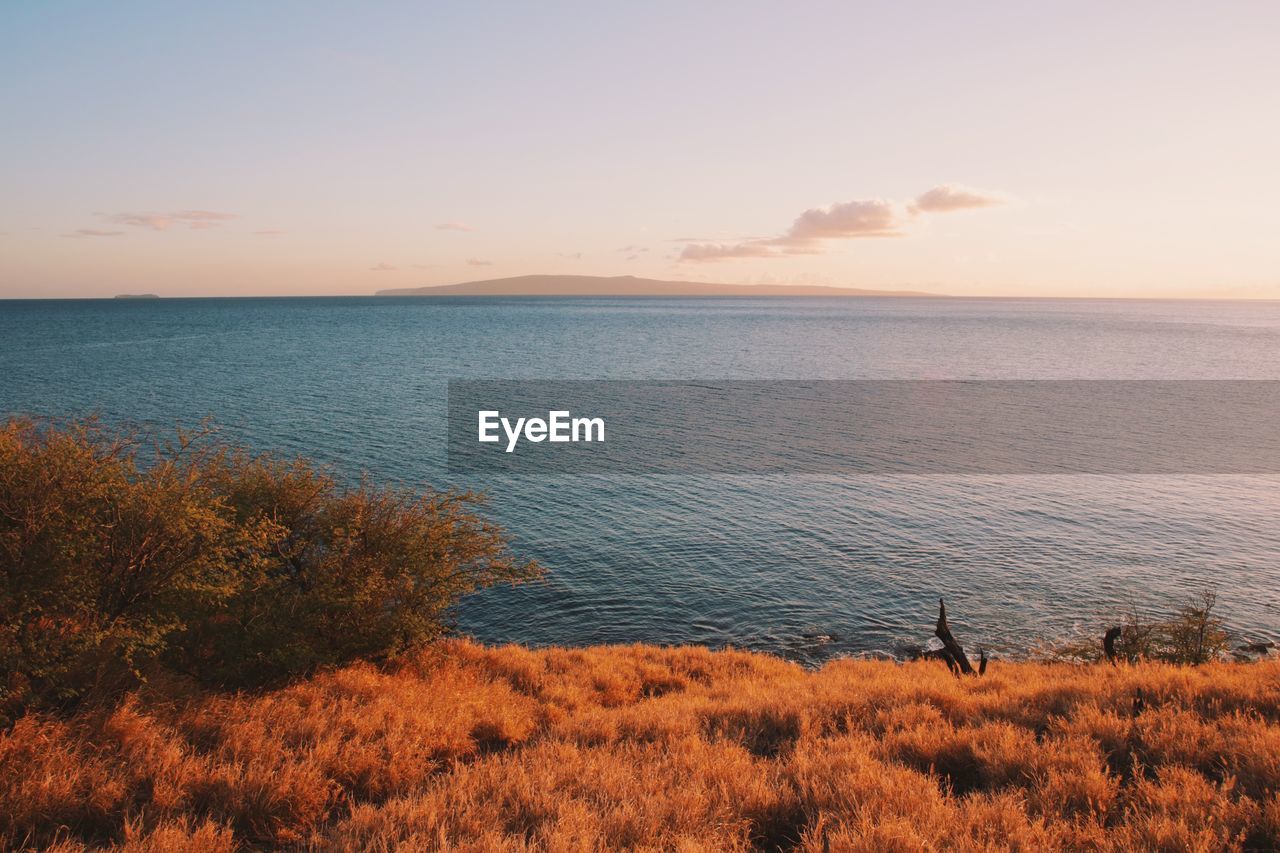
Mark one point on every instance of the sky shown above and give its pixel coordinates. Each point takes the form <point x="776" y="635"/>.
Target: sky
<point x="293" y="148"/>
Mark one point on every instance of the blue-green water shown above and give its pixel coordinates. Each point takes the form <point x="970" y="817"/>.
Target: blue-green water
<point x="805" y="566"/>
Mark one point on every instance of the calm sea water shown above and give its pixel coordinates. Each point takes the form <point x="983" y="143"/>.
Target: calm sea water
<point x="809" y="567"/>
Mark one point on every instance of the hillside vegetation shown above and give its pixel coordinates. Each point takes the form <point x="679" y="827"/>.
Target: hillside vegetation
<point x="204" y="649"/>
<point x="466" y="747"/>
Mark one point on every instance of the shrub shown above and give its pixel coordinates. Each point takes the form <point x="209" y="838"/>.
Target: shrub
<point x="1194" y="635"/>
<point x="118" y="556"/>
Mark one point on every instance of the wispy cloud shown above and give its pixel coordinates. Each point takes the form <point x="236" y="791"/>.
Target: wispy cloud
<point x="453" y="226"/>
<point x="726" y="251"/>
<point x="873" y="217"/>
<point x="382" y="268"/>
<point x="93" y="232"/>
<point x="271" y="232"/>
<point x="813" y="229"/>
<point x="197" y="220"/>
<point x="949" y="197"/>
<point x="477" y="262"/>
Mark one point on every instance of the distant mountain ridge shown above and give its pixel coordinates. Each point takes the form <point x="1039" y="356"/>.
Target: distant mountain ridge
<point x="628" y="285"/>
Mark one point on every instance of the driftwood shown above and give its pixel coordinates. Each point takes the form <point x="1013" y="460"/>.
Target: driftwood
<point x="1109" y="644"/>
<point x="951" y="651"/>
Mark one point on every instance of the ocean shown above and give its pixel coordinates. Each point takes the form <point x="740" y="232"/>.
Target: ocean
<point x="806" y="566"/>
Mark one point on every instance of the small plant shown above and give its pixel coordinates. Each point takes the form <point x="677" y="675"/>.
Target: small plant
<point x="1195" y="635"/>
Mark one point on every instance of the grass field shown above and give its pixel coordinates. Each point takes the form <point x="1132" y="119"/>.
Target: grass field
<point x="469" y="747"/>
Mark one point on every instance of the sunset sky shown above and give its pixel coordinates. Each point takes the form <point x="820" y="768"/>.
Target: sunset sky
<point x="244" y="148"/>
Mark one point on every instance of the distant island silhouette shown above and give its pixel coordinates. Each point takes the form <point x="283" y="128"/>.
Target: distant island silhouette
<point x="628" y="285"/>
<point x="137" y="296"/>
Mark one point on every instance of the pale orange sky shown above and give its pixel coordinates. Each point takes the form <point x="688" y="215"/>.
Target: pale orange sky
<point x="1091" y="149"/>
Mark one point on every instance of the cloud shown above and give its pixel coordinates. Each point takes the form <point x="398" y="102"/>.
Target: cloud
<point x="197" y="220"/>
<point x="477" y="262"/>
<point x="726" y="251"/>
<point x="873" y="217"/>
<point x="271" y="232"/>
<point x="382" y="268"/>
<point x="847" y="220"/>
<point x="949" y="197"/>
<point x="453" y="226"/>
<point x="93" y="232"/>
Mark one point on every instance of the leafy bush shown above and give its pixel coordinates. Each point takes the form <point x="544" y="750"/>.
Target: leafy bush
<point x="117" y="556"/>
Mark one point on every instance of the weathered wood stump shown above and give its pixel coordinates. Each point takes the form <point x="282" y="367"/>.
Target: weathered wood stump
<point x="1109" y="644"/>
<point x="952" y="652"/>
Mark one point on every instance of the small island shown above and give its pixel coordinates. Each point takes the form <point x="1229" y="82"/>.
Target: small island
<point x="629" y="286"/>
<point x="137" y="296"/>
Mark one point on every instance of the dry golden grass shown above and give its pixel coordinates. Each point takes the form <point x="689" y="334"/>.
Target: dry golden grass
<point x="475" y="748"/>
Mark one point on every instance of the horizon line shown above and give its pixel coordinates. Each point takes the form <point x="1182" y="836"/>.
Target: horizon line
<point x="904" y="295"/>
